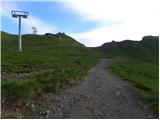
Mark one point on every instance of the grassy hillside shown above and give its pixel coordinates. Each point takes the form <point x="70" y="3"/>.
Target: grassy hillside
<point x="146" y="49"/>
<point x="137" y="62"/>
<point x="50" y="63"/>
<point x="144" y="76"/>
<point x="47" y="63"/>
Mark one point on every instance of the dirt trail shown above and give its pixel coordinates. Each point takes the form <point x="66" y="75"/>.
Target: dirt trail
<point x="100" y="95"/>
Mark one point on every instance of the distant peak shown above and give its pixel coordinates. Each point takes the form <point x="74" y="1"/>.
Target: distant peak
<point x="150" y="37"/>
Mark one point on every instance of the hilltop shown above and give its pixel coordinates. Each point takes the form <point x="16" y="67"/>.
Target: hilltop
<point x="50" y="63"/>
<point x="146" y="49"/>
<point x="138" y="63"/>
<point x="59" y="39"/>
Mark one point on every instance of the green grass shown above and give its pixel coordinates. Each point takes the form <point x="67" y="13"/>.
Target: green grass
<point x="137" y="62"/>
<point x="146" y="50"/>
<point x="68" y="61"/>
<point x="142" y="75"/>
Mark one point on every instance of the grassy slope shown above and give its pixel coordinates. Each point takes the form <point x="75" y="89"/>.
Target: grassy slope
<point x="145" y="50"/>
<point x="70" y="61"/>
<point x="137" y="62"/>
<point x="142" y="75"/>
<point x="67" y="62"/>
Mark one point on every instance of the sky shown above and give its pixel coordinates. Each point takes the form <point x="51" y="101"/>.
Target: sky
<point x="91" y="22"/>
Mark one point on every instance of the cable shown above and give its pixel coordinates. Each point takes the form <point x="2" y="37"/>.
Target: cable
<point x="7" y="10"/>
<point x="30" y="21"/>
<point x="20" y="6"/>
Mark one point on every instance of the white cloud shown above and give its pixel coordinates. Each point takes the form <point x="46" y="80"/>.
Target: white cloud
<point x="135" y="18"/>
<point x="138" y="18"/>
<point x="6" y="8"/>
<point x="102" y="10"/>
<point x="42" y="26"/>
<point x="98" y="36"/>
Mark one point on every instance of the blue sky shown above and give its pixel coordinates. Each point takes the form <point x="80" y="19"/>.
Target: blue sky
<point x="52" y="12"/>
<point x="91" y="22"/>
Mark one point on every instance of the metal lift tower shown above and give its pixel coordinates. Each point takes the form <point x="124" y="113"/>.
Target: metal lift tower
<point x="19" y="14"/>
<point x="34" y="30"/>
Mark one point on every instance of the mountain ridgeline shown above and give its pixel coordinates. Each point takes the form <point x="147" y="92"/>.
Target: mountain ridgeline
<point x="54" y="62"/>
<point x="48" y="63"/>
<point x="138" y="63"/>
<point x="147" y="49"/>
<point x="39" y="41"/>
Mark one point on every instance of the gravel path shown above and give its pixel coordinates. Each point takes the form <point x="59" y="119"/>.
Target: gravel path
<point x="100" y="95"/>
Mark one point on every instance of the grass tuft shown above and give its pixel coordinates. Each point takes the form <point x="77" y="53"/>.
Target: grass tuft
<point x="142" y="75"/>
